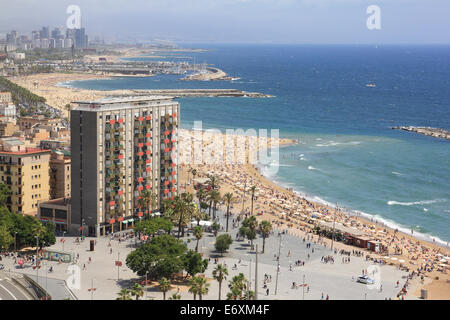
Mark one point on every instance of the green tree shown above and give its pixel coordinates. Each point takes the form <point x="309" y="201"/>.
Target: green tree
<point x="124" y="294"/>
<point x="6" y="239"/>
<point x="265" y="228"/>
<point x="239" y="289"/>
<point x="193" y="263"/>
<point x="175" y="296"/>
<point x="228" y="198"/>
<point x="248" y="228"/>
<point x="164" y="286"/>
<point x="216" y="227"/>
<point x="137" y="291"/>
<point x="161" y="257"/>
<point x="198" y="233"/>
<point x="49" y="237"/>
<point x="213" y="198"/>
<point x="223" y="242"/>
<point x="220" y="273"/>
<point x="5" y="193"/>
<point x="199" y="286"/>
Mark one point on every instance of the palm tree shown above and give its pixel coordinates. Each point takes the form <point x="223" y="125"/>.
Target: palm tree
<point x="181" y="213"/>
<point x="137" y="291"/>
<point x="265" y="227"/>
<point x="164" y="286"/>
<point x="148" y="201"/>
<point x="201" y="194"/>
<point x="220" y="273"/>
<point x="199" y="286"/>
<point x="175" y="296"/>
<point x="124" y="294"/>
<point x="214" y="198"/>
<point x="213" y="182"/>
<point x="252" y="189"/>
<point x="197" y="214"/>
<point x="198" y="233"/>
<point x="193" y="287"/>
<point x="228" y="198"/>
<point x="194" y="173"/>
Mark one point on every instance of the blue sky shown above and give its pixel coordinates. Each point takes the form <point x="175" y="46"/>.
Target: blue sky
<point x="277" y="21"/>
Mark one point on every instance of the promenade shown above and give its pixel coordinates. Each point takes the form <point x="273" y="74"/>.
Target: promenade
<point x="337" y="280"/>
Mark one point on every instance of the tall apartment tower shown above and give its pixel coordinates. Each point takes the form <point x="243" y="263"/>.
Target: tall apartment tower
<point x="122" y="149"/>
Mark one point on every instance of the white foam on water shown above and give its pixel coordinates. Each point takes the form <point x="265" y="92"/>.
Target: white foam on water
<point x="333" y="144"/>
<point x="397" y="173"/>
<point x="392" y="203"/>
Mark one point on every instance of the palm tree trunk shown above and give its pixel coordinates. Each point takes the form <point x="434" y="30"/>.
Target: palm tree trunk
<point x="228" y="214"/>
<point x="251" y="213"/>
<point x="164" y="295"/>
<point x="209" y="212"/>
<point x="196" y="246"/>
<point x="264" y="244"/>
<point x="220" y="288"/>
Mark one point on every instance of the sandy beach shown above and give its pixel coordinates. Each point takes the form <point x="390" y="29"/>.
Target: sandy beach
<point x="282" y="207"/>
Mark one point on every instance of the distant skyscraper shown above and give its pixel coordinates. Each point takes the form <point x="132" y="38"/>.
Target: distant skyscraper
<point x="45" y="32"/>
<point x="121" y="147"/>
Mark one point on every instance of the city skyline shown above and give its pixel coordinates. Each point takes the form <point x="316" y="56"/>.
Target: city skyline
<point x="251" y="21"/>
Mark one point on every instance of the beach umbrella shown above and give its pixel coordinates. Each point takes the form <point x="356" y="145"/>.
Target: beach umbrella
<point x="401" y="260"/>
<point x="394" y="258"/>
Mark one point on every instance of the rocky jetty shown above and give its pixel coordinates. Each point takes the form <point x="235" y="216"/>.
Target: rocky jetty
<point x="428" y="131"/>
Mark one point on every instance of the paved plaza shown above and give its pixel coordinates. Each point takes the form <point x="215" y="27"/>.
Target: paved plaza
<point x="335" y="280"/>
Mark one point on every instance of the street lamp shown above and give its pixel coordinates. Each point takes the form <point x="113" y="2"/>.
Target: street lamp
<point x="64" y="240"/>
<point x="37" y="257"/>
<point x="15" y="243"/>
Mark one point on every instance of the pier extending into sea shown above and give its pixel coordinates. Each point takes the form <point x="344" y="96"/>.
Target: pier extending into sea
<point x="428" y="131"/>
<point x="203" y="93"/>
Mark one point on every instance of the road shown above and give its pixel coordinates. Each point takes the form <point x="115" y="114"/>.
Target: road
<point x="10" y="291"/>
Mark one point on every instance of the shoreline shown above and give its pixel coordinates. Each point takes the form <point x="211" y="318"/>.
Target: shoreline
<point x="367" y="217"/>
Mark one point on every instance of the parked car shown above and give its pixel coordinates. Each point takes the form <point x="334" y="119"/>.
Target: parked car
<point x="365" y="279"/>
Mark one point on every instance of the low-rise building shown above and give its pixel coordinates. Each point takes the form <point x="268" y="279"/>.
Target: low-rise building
<point x="26" y="171"/>
<point x="5" y="97"/>
<point x="28" y="122"/>
<point x="8" y="110"/>
<point x="8" y="129"/>
<point x="57" y="211"/>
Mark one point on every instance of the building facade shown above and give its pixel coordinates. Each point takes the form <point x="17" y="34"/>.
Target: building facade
<point x="5" y="97"/>
<point x="26" y="172"/>
<point x="59" y="175"/>
<point x="121" y="148"/>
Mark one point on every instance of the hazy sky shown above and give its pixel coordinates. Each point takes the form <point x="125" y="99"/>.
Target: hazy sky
<point x="292" y="21"/>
